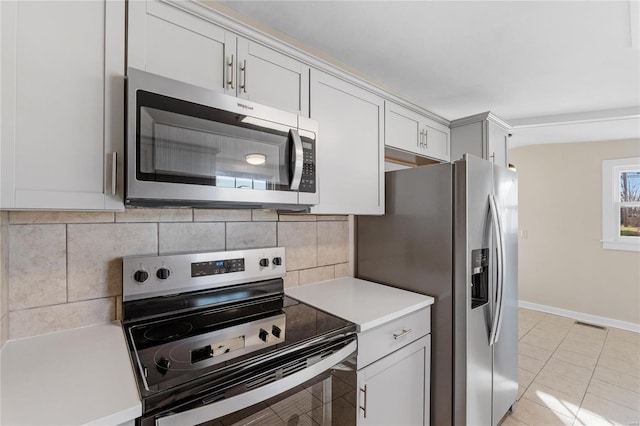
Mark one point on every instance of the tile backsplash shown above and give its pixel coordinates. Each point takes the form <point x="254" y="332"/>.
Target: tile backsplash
<point x="62" y="270"/>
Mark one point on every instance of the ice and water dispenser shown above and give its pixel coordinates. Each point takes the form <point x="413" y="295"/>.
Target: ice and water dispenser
<point x="479" y="277"/>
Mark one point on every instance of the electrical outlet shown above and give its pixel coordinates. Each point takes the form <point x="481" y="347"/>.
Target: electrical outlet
<point x="524" y="234"/>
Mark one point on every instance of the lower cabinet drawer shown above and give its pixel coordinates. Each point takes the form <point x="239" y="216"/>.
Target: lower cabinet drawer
<point x="380" y="341"/>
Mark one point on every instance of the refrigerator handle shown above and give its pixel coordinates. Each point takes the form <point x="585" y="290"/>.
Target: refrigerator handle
<point x="497" y="229"/>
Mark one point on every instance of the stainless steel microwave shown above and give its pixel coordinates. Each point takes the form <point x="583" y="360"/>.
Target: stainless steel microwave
<point x="193" y="147"/>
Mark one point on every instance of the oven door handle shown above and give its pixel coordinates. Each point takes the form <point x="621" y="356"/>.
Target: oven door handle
<point x="230" y="405"/>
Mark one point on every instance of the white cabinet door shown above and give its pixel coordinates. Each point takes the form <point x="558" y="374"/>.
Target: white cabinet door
<point x="395" y="389"/>
<point x="174" y="43"/>
<point x="415" y="133"/>
<point x="271" y="78"/>
<point x="350" y="151"/>
<point x="185" y="46"/>
<point x="62" y="97"/>
<point x="497" y="144"/>
<point x="483" y="135"/>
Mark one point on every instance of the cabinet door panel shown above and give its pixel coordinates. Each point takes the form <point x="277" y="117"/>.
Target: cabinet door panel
<point x="272" y="79"/>
<point x="397" y="388"/>
<point x="402" y="128"/>
<point x="437" y="144"/>
<point x="350" y="153"/>
<point x="177" y="44"/>
<point x="497" y="144"/>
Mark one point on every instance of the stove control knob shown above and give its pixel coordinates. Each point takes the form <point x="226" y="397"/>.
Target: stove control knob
<point x="275" y="330"/>
<point x="163" y="273"/>
<point x="277" y="261"/>
<point x="263" y="335"/>
<point x="163" y="366"/>
<point x="264" y="262"/>
<point x="140" y="275"/>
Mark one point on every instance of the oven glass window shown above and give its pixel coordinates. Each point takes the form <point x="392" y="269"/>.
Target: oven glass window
<point x="327" y="399"/>
<point x="182" y="142"/>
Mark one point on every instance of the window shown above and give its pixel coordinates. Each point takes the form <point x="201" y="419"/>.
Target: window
<point x="621" y="204"/>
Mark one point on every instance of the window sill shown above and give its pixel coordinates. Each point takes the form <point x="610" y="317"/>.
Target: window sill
<point x="616" y="245"/>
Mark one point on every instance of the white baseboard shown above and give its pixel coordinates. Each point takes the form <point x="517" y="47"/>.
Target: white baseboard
<point x="593" y="319"/>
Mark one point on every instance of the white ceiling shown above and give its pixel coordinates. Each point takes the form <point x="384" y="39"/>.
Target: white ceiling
<point x="562" y="69"/>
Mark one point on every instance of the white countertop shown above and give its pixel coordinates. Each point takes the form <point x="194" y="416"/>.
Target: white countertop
<point x="364" y="303"/>
<point x="80" y="376"/>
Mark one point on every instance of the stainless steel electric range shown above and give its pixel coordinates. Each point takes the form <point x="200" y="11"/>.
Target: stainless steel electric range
<point x="213" y="340"/>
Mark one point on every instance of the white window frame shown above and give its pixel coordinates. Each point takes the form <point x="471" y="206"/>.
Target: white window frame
<point x="611" y="238"/>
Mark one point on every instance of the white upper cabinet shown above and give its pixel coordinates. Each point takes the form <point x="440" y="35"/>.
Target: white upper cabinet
<point x="350" y="150"/>
<point x="483" y="135"/>
<point x="62" y="93"/>
<point x="414" y="133"/>
<point x="185" y="46"/>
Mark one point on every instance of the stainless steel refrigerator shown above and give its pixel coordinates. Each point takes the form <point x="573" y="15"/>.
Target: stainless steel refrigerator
<point x="450" y="231"/>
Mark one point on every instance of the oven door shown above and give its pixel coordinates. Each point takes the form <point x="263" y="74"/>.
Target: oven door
<point x="324" y="392"/>
<point x="190" y="146"/>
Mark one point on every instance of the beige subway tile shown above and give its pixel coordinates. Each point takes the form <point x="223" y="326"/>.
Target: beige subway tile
<point x="333" y="243"/>
<point x="534" y="351"/>
<point x="297" y="217"/>
<point x="574" y="358"/>
<point x="529" y="364"/>
<point x="32" y="217"/>
<point x="627" y="351"/>
<point x="259" y="215"/>
<point x="566" y="385"/>
<point x="31" y="322"/>
<point x="616" y="334"/>
<point x="291" y="279"/>
<point x="119" y="308"/>
<point x="300" y="242"/>
<point x="325" y="218"/>
<point x="542" y="342"/>
<point x="343" y="270"/>
<point x="243" y="235"/>
<point x="566" y="369"/>
<point x="4" y="218"/>
<point x="154" y="215"/>
<point x="535" y="414"/>
<point x="554" y="400"/>
<point x="190" y="237"/>
<point x="615" y="393"/>
<point x="221" y="215"/>
<point x="626" y="381"/>
<point x="596" y="410"/>
<point x="619" y="365"/>
<point x="323" y="273"/>
<point x="94" y="256"/>
<point x="37" y="266"/>
<point x="584" y="348"/>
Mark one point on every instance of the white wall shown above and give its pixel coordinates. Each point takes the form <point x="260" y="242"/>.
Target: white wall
<point x="562" y="263"/>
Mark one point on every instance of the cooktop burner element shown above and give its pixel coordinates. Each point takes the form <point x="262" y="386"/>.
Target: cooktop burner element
<point x="168" y="331"/>
<point x="202" y="326"/>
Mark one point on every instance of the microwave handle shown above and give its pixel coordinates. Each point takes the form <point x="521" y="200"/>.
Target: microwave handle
<point x="298" y="159"/>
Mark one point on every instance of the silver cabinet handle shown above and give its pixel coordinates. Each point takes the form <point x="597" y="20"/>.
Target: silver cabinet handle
<point x="404" y="333"/>
<point x="421" y="137"/>
<point x="244" y="76"/>
<point x="364" y="408"/>
<point x="114" y="172"/>
<point x="230" y="65"/>
<point x="426" y="139"/>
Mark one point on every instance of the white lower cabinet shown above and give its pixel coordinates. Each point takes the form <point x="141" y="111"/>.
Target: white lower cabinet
<point x="350" y="151"/>
<point x="395" y="389"/>
<point x="62" y="93"/>
<point x="394" y="372"/>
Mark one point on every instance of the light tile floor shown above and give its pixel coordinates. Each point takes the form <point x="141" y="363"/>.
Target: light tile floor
<point x="571" y="374"/>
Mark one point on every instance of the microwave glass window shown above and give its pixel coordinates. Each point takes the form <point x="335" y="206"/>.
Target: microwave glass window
<point x="219" y="149"/>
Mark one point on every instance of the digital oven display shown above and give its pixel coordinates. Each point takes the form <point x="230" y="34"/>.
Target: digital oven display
<point x="216" y="267"/>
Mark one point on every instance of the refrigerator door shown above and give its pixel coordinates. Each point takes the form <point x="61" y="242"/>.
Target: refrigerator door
<point x="473" y="284"/>
<point x="505" y="349"/>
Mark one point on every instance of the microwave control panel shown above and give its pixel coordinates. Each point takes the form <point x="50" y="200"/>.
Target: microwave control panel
<point x="308" y="182"/>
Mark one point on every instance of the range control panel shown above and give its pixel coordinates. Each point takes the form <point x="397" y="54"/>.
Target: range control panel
<point x="151" y="276"/>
